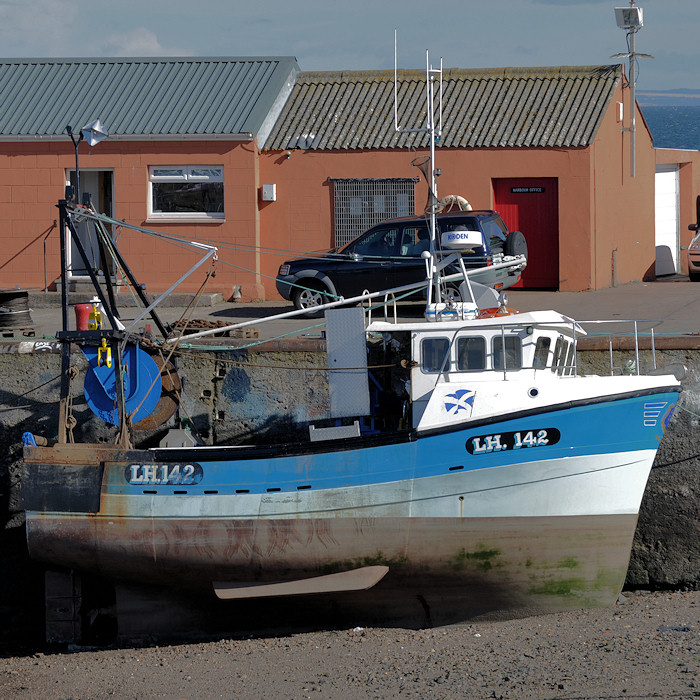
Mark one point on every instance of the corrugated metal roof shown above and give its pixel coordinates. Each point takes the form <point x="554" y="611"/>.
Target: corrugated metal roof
<point x="141" y="97"/>
<point x="529" y="107"/>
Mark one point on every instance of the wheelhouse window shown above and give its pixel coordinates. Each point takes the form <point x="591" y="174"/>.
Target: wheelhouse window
<point x="570" y="360"/>
<point x="471" y="354"/>
<point x="542" y="352"/>
<point x="435" y="355"/>
<point x="561" y="351"/>
<point x="513" y="358"/>
<point x="186" y="192"/>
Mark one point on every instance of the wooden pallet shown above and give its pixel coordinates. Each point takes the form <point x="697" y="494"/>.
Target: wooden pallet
<point x="26" y="331"/>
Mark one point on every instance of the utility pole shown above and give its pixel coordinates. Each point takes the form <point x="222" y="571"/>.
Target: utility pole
<point x="631" y="19"/>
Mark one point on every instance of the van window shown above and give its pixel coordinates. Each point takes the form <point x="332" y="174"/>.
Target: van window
<point x="471" y="354"/>
<point x="513" y="354"/>
<point x="434" y="355"/>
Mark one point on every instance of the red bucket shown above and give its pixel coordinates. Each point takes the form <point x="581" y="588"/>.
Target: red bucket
<point x="82" y="316"/>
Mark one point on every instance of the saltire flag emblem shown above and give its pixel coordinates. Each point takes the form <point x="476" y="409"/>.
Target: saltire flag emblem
<point x="461" y="400"/>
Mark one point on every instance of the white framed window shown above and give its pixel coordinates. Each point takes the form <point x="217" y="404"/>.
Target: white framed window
<point x="186" y="192"/>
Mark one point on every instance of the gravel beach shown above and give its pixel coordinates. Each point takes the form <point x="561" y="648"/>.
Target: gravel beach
<point x="646" y="646"/>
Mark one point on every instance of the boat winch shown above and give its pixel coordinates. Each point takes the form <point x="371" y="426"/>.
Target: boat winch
<point x="141" y="379"/>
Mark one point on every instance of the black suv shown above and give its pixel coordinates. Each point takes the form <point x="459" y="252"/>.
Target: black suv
<point x="389" y="255"/>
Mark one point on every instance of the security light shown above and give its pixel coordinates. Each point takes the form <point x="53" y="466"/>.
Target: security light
<point x="94" y="132"/>
<point x="629" y="17"/>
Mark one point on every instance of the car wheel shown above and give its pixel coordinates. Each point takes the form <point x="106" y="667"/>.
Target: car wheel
<point x="516" y="244"/>
<point x="694" y="276"/>
<point x="309" y="299"/>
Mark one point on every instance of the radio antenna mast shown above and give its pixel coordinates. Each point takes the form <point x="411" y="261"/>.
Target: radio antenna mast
<point x="434" y="130"/>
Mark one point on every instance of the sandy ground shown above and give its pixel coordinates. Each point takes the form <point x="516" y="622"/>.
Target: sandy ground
<point x="647" y="646"/>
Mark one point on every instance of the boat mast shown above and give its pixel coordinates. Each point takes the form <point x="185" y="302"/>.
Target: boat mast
<point x="434" y="131"/>
<point x="63" y="406"/>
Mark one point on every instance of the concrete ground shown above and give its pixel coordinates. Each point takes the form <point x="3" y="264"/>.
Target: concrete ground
<point x="670" y="305"/>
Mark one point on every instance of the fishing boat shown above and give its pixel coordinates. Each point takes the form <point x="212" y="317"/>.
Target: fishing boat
<point x="469" y="464"/>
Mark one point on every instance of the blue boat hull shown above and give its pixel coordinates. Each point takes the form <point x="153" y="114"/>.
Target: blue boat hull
<point x="536" y="512"/>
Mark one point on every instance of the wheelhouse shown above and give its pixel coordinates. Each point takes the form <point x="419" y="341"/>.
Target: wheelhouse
<point x="482" y="347"/>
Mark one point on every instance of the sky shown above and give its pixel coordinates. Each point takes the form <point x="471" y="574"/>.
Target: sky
<point x="359" y="35"/>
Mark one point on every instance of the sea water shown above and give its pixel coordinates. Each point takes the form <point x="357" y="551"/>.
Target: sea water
<point x="673" y="126"/>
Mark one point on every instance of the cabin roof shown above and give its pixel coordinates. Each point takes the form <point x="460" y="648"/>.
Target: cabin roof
<point x="542" y="319"/>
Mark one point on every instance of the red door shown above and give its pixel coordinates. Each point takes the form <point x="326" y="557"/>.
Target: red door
<point x="530" y="205"/>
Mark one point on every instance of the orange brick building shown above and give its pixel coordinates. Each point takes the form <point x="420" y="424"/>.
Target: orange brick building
<point x="268" y="162"/>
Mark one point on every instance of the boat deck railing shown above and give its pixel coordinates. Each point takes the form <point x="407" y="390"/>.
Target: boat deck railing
<point x="635" y="333"/>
